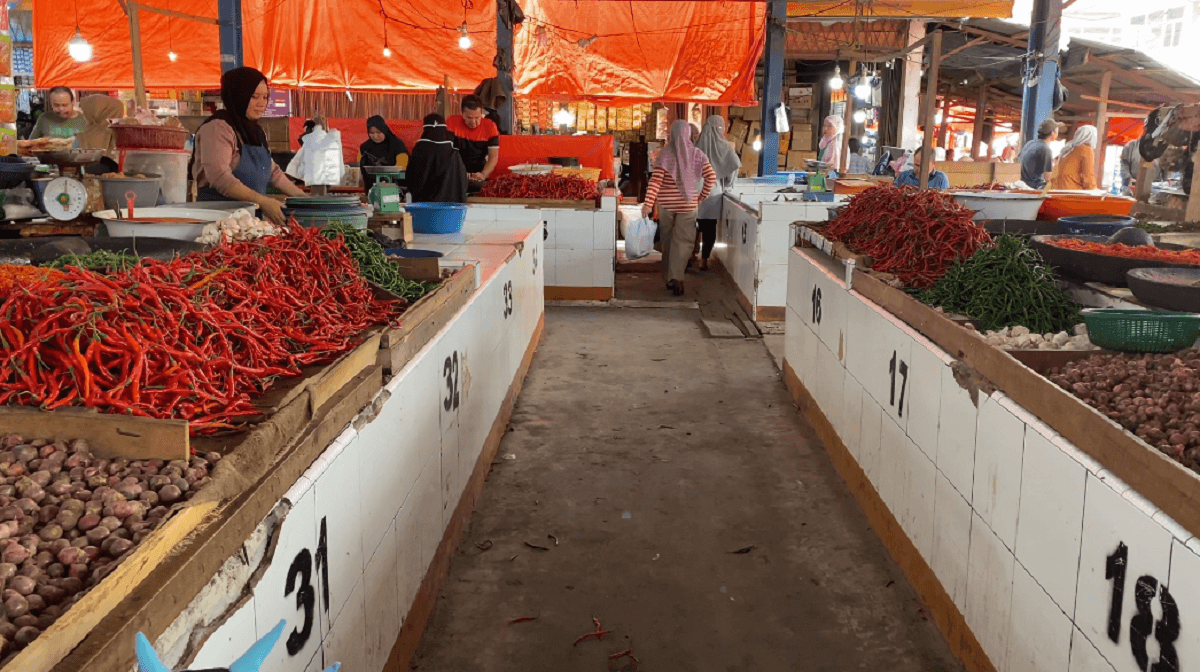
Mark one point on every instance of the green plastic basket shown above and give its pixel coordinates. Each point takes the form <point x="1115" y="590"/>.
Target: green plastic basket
<point x="1141" y="330"/>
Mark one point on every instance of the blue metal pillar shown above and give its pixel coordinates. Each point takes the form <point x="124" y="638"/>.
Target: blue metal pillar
<point x="504" y="63"/>
<point x="229" y="13"/>
<point x="768" y="158"/>
<point x="1041" y="69"/>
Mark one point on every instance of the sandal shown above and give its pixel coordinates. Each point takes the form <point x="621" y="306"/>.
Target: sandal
<point x="704" y="264"/>
<point x="677" y="290"/>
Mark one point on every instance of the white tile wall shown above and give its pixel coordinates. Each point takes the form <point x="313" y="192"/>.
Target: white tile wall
<point x="772" y="285"/>
<point x="925" y="391"/>
<point x="1050" y="527"/>
<point x="382" y="592"/>
<point x="1040" y="639"/>
<point x="297" y="547"/>
<point x="951" y="540"/>
<point x="1085" y="657"/>
<point x="957" y="418"/>
<point x="230" y="640"/>
<point x="870" y="437"/>
<point x="834" y="318"/>
<point x="574" y="228"/>
<point x="603" y="270"/>
<point x="343" y="528"/>
<point x="798" y="267"/>
<point x="1185" y="589"/>
<point x="573" y="267"/>
<point x="347" y="643"/>
<point x="793" y="347"/>
<point x="852" y="408"/>
<point x="989" y="592"/>
<point x="1109" y="520"/>
<point x="999" y="441"/>
<point x="604" y="233"/>
<point x="892" y="464"/>
<point x="919" y="490"/>
<point x="830" y="378"/>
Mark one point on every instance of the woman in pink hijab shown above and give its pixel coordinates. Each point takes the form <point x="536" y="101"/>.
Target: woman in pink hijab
<point x="831" y="141"/>
<point x="682" y="179"/>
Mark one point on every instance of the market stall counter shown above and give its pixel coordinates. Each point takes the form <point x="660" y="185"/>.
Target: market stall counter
<point x="1042" y="534"/>
<point x="347" y="534"/>
<point x="753" y="238"/>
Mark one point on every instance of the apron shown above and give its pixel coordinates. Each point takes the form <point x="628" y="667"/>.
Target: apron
<point x="254" y="170"/>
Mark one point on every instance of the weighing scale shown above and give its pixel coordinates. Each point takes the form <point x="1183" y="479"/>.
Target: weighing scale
<point x="817" y="171"/>
<point x="65" y="198"/>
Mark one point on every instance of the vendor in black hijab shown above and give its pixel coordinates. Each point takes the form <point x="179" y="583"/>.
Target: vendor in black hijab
<point x="231" y="161"/>
<point x="436" y="173"/>
<point x="382" y="148"/>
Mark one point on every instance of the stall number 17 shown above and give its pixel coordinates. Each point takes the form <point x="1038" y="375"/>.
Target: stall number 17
<point x="898" y="365"/>
<point x="1143" y="624"/>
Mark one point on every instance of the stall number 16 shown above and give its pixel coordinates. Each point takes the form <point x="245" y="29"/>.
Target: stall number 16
<point x="1142" y="624"/>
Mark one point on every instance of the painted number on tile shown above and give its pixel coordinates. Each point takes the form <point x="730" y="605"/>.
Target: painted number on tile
<point x="301" y="572"/>
<point x="816" y="301"/>
<point x="743" y="233"/>
<point x="450" y="371"/>
<point x="535" y="249"/>
<point x="508" y="299"/>
<point x="898" y="366"/>
<point x="1143" y="624"/>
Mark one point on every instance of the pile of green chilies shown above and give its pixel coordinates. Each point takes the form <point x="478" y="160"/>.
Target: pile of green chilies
<point x="1005" y="285"/>
<point x="100" y="260"/>
<point x="373" y="264"/>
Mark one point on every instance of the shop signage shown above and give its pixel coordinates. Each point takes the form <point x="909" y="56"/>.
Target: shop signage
<point x="280" y="104"/>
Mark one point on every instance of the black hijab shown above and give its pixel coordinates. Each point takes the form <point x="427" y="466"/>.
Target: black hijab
<point x="381" y="153"/>
<point x="436" y="173"/>
<point x="237" y="88"/>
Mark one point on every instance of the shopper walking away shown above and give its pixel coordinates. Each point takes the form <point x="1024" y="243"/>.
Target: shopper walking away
<point x="1036" y="159"/>
<point x="858" y="164"/>
<point x="97" y="111"/>
<point x="1077" y="165"/>
<point x="1131" y="166"/>
<point x="725" y="164"/>
<point x="682" y="178"/>
<point x="231" y="161"/>
<point x="62" y="120"/>
<point x="912" y="178"/>
<point x="831" y="142"/>
<point x="436" y="173"/>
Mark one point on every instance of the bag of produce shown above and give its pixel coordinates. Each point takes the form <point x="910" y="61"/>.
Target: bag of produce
<point x="639" y="239"/>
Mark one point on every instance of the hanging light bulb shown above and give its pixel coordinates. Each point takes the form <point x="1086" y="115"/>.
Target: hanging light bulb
<point x="860" y="116"/>
<point x="757" y="144"/>
<point x="563" y="117"/>
<point x="464" y="42"/>
<point x="862" y="90"/>
<point x="387" y="52"/>
<point x="79" y="48"/>
<point x="836" y="82"/>
<point x="173" y="56"/>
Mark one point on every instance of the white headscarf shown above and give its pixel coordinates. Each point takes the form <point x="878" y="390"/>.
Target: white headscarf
<point x="1086" y="135"/>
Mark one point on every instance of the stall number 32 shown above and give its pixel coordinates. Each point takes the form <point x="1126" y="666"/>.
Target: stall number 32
<point x="300" y="581"/>
<point x="1142" y="624"/>
<point x="450" y="371"/>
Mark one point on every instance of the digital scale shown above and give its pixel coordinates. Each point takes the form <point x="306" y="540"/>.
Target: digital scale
<point x="817" y="172"/>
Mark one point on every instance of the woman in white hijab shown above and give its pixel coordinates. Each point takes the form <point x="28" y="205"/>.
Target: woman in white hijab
<point x="1077" y="165"/>
<point x="831" y="142"/>
<point x="726" y="164"/>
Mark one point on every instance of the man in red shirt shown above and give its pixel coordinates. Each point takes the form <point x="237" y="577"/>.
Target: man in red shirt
<point x="477" y="138"/>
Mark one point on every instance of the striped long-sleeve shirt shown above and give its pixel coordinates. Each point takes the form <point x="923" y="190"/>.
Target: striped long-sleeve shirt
<point x="663" y="191"/>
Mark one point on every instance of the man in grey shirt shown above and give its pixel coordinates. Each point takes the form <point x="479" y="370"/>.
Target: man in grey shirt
<point x="1036" y="159"/>
<point x="61" y="120"/>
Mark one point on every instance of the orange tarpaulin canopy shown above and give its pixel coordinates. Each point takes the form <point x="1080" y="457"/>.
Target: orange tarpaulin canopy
<point x="988" y="9"/>
<point x="320" y="44"/>
<point x="612" y="52"/>
<point x="657" y="51"/>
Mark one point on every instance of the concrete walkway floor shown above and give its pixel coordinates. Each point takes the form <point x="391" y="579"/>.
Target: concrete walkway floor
<point x="652" y="453"/>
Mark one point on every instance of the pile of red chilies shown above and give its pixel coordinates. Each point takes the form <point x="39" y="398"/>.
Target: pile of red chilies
<point x="915" y="235"/>
<point x="194" y="338"/>
<point x="565" y="187"/>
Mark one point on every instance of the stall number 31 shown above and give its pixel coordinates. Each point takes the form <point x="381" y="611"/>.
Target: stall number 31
<point x="1142" y="624"/>
<point x="300" y="581"/>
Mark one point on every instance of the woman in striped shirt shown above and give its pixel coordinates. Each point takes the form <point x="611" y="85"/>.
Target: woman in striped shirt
<point x="682" y="179"/>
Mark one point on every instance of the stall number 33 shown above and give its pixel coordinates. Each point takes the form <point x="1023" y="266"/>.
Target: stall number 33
<point x="300" y="581"/>
<point x="508" y="299"/>
<point x="1143" y="624"/>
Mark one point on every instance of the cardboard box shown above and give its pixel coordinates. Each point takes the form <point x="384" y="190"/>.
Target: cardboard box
<point x="752" y="112"/>
<point x="782" y="161"/>
<point x="801" y="115"/>
<point x="738" y="130"/>
<point x="795" y="161"/>
<point x="800" y="97"/>
<point x="749" y="162"/>
<point x="802" y="142"/>
<point x="737" y="143"/>
<point x="755" y="131"/>
<point x="785" y="140"/>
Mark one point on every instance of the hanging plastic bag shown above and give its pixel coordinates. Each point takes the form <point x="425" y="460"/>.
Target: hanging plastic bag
<point x="639" y="238"/>
<point x="319" y="161"/>
<point x="781" y="119"/>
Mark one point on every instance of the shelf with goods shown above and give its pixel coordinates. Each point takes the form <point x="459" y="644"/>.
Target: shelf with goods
<point x="491" y="288"/>
<point x="1006" y="490"/>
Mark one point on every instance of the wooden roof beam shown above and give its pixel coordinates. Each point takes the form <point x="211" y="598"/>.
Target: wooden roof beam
<point x="1135" y="77"/>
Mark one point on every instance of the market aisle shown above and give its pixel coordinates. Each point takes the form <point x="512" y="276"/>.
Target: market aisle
<point x="652" y="452"/>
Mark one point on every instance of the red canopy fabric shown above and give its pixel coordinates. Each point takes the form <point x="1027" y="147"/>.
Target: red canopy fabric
<point x="1124" y="130"/>
<point x="642" y="51"/>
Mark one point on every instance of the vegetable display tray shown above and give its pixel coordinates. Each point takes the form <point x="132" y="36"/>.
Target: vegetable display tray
<point x="1141" y="330"/>
<point x="1168" y="288"/>
<point x="1096" y="267"/>
<point x="1021" y="228"/>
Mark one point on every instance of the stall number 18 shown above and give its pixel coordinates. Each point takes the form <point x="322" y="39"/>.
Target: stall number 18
<point x="1143" y="624"/>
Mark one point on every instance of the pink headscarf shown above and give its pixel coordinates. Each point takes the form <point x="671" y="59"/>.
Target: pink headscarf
<point x="682" y="161"/>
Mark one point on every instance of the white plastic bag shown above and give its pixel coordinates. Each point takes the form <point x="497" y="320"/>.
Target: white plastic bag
<point x="639" y="238"/>
<point x="319" y="161"/>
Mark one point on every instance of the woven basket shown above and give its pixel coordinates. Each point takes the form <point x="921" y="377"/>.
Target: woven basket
<point x="1141" y="330"/>
<point x="129" y="136"/>
<point x="590" y="174"/>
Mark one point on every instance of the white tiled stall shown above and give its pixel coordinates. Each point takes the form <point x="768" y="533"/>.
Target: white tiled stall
<point x="348" y="556"/>
<point x="1055" y="565"/>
